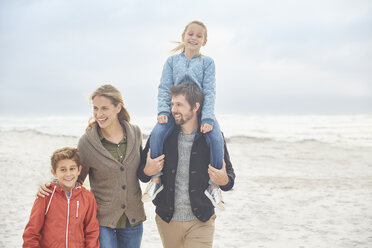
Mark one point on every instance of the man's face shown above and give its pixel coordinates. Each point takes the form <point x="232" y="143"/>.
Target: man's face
<point x="181" y="110"/>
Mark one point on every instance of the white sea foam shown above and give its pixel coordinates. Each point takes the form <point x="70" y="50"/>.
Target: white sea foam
<point x="352" y="130"/>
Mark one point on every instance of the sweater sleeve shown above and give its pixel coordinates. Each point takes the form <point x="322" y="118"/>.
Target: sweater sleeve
<point x="229" y="170"/>
<point x="209" y="91"/>
<point x="166" y="82"/>
<point x="32" y="234"/>
<point x="91" y="226"/>
<point x="85" y="167"/>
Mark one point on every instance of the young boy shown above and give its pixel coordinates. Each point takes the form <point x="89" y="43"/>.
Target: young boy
<point x="68" y="217"/>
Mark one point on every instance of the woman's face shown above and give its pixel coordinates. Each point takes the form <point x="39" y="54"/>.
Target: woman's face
<point x="105" y="112"/>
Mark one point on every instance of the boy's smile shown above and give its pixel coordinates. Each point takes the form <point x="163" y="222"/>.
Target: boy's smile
<point x="67" y="173"/>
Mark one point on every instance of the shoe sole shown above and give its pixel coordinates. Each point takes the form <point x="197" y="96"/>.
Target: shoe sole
<point x="216" y="205"/>
<point x="146" y="197"/>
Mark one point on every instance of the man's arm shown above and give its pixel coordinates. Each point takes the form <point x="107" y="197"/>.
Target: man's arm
<point x="149" y="166"/>
<point x="224" y="177"/>
<point x="229" y="170"/>
<point x="140" y="174"/>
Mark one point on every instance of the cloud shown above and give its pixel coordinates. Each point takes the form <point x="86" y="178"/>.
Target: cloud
<point x="266" y="52"/>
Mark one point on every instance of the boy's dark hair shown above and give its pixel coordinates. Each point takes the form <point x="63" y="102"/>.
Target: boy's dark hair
<point x="192" y="93"/>
<point x="65" y="153"/>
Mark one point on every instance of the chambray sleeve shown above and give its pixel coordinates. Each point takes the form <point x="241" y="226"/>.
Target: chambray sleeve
<point x="166" y="82"/>
<point x="209" y="91"/>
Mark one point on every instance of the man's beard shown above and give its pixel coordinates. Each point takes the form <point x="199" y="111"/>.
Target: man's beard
<point x="183" y="119"/>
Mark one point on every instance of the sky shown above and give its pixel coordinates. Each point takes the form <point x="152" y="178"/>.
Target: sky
<point x="272" y="57"/>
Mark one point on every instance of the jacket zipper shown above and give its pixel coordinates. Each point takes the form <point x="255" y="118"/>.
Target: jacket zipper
<point x="68" y="217"/>
<point x="77" y="209"/>
<point x="50" y="201"/>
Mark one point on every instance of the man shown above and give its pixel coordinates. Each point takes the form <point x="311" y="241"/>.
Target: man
<point x="185" y="215"/>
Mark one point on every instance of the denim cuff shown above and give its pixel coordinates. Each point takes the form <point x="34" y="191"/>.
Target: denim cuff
<point x="208" y="120"/>
<point x="164" y="113"/>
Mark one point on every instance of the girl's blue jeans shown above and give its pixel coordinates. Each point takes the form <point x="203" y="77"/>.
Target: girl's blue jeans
<point x="214" y="140"/>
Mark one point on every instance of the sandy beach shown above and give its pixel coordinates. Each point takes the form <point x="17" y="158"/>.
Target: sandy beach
<point x="287" y="194"/>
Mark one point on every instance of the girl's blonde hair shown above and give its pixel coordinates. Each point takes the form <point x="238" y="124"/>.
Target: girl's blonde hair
<point x="114" y="95"/>
<point x="181" y="45"/>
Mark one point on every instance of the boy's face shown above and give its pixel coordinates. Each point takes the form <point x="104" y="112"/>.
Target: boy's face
<point x="67" y="173"/>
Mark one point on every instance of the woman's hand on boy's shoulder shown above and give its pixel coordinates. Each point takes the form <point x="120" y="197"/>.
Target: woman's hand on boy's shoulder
<point x="44" y="190"/>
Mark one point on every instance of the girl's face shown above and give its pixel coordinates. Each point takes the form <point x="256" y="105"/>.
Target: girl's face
<point x="194" y="37"/>
<point x="104" y="111"/>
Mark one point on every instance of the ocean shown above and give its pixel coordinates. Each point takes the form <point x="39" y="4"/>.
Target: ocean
<point x="302" y="181"/>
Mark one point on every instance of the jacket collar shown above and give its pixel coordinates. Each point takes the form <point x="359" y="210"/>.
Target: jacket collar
<point x="198" y="134"/>
<point x="75" y="190"/>
<point x="195" y="56"/>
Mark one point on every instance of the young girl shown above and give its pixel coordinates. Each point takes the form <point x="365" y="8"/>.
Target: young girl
<point x="188" y="66"/>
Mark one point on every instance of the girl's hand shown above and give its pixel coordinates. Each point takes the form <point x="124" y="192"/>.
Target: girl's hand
<point x="43" y="190"/>
<point x="205" y="128"/>
<point x="153" y="166"/>
<point x="162" y="119"/>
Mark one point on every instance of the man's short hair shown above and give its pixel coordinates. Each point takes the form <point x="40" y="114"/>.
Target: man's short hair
<point x="65" y="153"/>
<point x="192" y="93"/>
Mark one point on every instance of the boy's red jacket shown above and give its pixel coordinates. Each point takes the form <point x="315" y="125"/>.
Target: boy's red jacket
<point x="56" y="221"/>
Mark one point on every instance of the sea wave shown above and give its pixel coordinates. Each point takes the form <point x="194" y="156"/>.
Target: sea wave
<point x="335" y="130"/>
<point x="259" y="138"/>
<point x="254" y="139"/>
<point x="37" y="133"/>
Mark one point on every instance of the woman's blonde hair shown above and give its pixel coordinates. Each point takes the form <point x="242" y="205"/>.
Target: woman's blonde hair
<point x="181" y="45"/>
<point x="114" y="95"/>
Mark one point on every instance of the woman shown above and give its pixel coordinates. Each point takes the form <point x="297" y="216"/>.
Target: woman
<point x="110" y="154"/>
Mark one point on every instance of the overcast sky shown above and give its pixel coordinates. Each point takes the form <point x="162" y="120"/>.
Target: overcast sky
<point x="272" y="57"/>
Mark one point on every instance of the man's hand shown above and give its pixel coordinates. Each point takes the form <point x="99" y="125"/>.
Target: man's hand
<point x="205" y="128"/>
<point x="43" y="190"/>
<point x="162" y="119"/>
<point x="153" y="166"/>
<point x="218" y="177"/>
